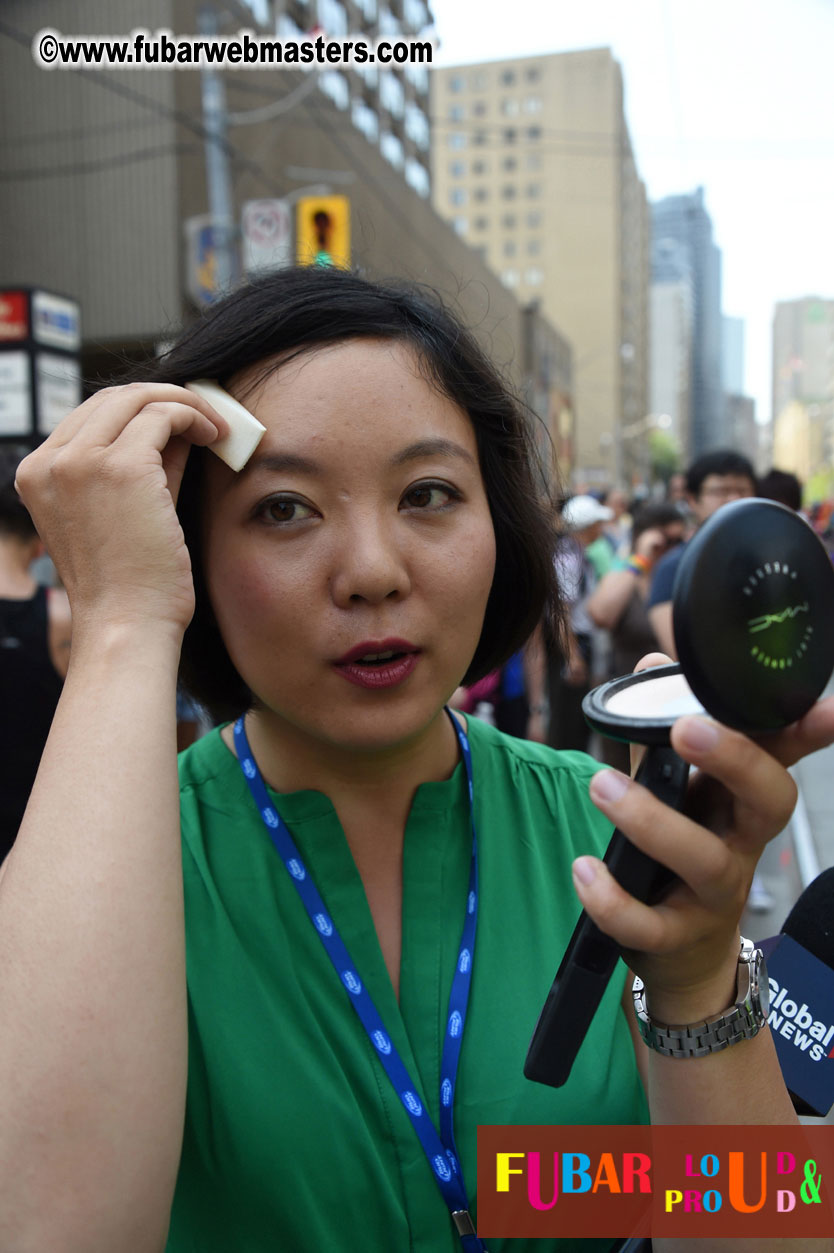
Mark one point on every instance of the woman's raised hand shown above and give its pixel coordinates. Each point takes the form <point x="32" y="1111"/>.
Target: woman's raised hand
<point x="102" y="491"/>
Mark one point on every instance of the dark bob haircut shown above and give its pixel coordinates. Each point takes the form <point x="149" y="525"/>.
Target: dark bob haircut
<point x="292" y="311"/>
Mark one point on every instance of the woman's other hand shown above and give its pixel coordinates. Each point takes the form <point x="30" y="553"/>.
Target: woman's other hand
<point x="686" y="947"/>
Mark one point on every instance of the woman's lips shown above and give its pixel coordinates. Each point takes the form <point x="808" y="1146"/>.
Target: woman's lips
<point x="377" y="664"/>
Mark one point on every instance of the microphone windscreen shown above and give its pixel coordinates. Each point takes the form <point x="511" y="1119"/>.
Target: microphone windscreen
<point x="811" y="921"/>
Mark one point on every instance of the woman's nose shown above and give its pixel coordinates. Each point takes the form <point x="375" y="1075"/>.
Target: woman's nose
<point x="369" y="564"/>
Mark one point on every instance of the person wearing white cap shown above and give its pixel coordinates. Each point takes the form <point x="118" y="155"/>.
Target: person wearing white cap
<point x="583" y="518"/>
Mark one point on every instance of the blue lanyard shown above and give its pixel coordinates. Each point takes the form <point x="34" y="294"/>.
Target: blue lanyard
<point x="440" y="1150"/>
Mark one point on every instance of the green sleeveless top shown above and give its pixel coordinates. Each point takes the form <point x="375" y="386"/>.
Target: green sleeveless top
<point x="294" y="1139"/>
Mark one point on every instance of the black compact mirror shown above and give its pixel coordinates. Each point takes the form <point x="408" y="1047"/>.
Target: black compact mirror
<point x="753" y="617"/>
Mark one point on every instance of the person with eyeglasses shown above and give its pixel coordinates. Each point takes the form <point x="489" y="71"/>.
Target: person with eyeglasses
<point x="717" y="477"/>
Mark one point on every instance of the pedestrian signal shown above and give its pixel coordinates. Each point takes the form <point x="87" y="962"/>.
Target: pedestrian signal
<point x="323" y="231"/>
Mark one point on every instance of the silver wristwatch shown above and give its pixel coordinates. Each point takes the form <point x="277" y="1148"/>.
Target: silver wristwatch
<point x="740" y="1022"/>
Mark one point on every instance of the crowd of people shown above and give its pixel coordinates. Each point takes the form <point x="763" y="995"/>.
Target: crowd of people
<point x="249" y="1003"/>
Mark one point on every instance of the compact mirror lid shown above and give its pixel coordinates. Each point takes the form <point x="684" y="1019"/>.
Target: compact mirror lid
<point x="753" y="615"/>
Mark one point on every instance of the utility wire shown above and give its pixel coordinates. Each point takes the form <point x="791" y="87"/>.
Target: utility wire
<point x="184" y="119"/>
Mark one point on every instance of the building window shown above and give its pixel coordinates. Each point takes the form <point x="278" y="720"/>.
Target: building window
<point x="461" y="225"/>
<point x="508" y="78"/>
<point x="510" y="278"/>
<point x="335" y="86"/>
<point x="479" y="108"/>
<point x="456" y="112"/>
<point x="286" y="28"/>
<point x="333" y="18"/>
<point x="418" y="75"/>
<point x="509" y="163"/>
<point x="391" y="94"/>
<point x="534" y="190"/>
<point x="534" y="133"/>
<point x="480" y="194"/>
<point x="392" y="150"/>
<point x="534" y="247"/>
<point x="510" y="136"/>
<point x="534" y="276"/>
<point x="457" y="169"/>
<point x="479" y="167"/>
<point x="533" y="161"/>
<point x="510" y="248"/>
<point x="260" y="10"/>
<point x="481" y="224"/>
<point x="508" y="221"/>
<point x="388" y="24"/>
<point x="458" y="196"/>
<point x="509" y="107"/>
<point x="508" y="191"/>
<point x="365" y="119"/>
<point x="456" y="140"/>
<point x="533" y="73"/>
<point x="456" y="83"/>
<point x="417" y="176"/>
<point x="417" y="125"/>
<point x="479" y="81"/>
<point x="416" y="14"/>
<point x="534" y="220"/>
<point x="479" y="138"/>
<point x="532" y="104"/>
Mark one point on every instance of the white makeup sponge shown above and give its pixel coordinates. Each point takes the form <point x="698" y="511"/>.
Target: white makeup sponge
<point x="245" y="433"/>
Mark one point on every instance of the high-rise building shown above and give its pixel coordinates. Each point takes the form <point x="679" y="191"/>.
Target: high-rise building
<point x="682" y="229"/>
<point x="532" y="163"/>
<point x="732" y="355"/>
<point x="803" y="390"/>
<point x="671" y="336"/>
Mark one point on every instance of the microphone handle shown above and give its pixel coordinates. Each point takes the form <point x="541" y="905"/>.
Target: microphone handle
<point x="591" y="955"/>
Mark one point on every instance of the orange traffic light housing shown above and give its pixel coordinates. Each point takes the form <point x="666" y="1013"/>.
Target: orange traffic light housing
<point x="323" y="231"/>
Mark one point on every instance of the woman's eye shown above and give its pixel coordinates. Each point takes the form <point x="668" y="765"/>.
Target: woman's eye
<point x="429" y="496"/>
<point x="285" y="509"/>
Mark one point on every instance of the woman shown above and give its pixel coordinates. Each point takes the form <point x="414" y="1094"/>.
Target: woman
<point x="386" y="542"/>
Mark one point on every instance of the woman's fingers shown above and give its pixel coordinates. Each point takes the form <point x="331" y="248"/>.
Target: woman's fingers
<point x="699" y="857"/>
<point x="101" y="419"/>
<point x="808" y="735"/>
<point x="764" y="794"/>
<point x="635" y="926"/>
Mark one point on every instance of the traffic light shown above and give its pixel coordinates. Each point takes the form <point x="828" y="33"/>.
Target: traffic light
<point x="323" y="231"/>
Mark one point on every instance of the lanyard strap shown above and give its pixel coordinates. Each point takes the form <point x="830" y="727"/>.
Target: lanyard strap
<point x="440" y="1150"/>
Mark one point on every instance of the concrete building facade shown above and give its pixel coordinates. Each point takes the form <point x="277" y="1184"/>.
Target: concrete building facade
<point x="532" y="164"/>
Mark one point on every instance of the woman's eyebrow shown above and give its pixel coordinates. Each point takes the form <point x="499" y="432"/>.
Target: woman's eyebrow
<point x="279" y="462"/>
<point x="432" y="448"/>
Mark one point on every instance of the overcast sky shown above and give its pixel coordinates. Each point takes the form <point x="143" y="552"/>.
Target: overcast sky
<point x="732" y="95"/>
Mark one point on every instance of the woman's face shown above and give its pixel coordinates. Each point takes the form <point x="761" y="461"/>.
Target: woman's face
<point x="350" y="562"/>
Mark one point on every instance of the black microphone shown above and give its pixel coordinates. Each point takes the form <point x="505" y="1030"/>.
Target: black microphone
<point x="800" y="965"/>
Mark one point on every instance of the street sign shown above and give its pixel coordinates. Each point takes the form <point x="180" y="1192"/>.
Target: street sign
<point x="267" y="235"/>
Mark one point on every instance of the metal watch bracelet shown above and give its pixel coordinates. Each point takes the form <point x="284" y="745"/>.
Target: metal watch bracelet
<point x="741" y="1021"/>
